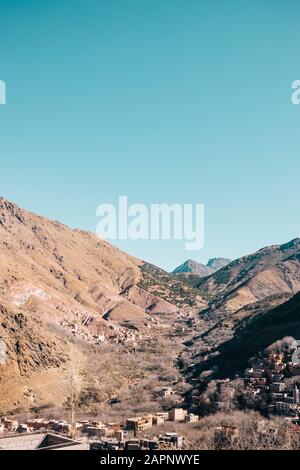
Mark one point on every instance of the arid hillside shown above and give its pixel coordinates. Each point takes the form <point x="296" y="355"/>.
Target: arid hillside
<point x="271" y="270"/>
<point x="64" y="295"/>
<point x="251" y="303"/>
<point x="250" y="338"/>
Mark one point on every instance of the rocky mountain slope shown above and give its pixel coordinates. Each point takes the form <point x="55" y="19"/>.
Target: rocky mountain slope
<point x="61" y="291"/>
<point x="255" y="335"/>
<point x="171" y="288"/>
<point x="270" y="271"/>
<point x="247" y="303"/>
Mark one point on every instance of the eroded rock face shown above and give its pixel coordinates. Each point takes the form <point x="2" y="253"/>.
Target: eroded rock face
<point x="25" y="342"/>
<point x="151" y="303"/>
<point x="30" y="353"/>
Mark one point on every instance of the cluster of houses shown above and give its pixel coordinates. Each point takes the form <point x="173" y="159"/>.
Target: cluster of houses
<point x="81" y="333"/>
<point x="143" y="423"/>
<point x="267" y="379"/>
<point x="107" y="434"/>
<point x="228" y="436"/>
<point x="90" y="428"/>
<point x="100" y="437"/>
<point x="115" y="334"/>
<point x="11" y="425"/>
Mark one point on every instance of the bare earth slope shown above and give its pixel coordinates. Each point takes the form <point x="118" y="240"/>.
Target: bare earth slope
<point x="240" y="296"/>
<point x="63" y="291"/>
<point x="271" y="270"/>
<point x="254" y="336"/>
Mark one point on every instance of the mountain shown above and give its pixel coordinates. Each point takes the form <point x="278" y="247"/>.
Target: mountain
<point x="271" y="270"/>
<point x="63" y="294"/>
<point x="247" y="302"/>
<point x="72" y="305"/>
<point x="193" y="267"/>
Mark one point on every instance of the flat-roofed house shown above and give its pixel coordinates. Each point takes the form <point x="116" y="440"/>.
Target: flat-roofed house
<point x="177" y="414"/>
<point x="140" y="423"/>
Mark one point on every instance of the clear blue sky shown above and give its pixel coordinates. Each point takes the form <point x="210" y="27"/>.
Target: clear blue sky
<point x="162" y="100"/>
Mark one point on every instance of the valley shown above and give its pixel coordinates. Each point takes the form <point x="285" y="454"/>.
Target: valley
<point x="87" y="329"/>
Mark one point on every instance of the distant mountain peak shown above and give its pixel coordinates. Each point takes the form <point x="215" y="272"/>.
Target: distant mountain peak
<point x="193" y="267"/>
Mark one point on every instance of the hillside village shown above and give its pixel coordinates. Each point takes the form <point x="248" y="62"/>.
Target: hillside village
<point x="274" y="381"/>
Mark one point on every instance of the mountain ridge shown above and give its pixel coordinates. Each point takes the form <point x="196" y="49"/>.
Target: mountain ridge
<point x="198" y="269"/>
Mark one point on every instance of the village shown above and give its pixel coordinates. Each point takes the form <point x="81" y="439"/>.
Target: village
<point x="116" y="334"/>
<point x="272" y="379"/>
<point x="86" y="328"/>
<point x="96" y="435"/>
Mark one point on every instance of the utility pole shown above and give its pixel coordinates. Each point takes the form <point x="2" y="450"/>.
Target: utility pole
<point x="73" y="401"/>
